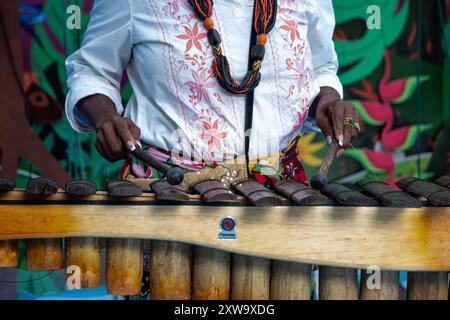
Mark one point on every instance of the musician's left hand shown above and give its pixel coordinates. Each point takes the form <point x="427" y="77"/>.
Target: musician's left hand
<point x="336" y="118"/>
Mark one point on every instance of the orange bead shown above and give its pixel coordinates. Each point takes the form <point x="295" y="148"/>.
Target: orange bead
<point x="262" y="39"/>
<point x="209" y="24"/>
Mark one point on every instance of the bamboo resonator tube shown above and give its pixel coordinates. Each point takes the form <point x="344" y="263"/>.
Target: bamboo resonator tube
<point x="9" y="253"/>
<point x="170" y="270"/>
<point x="85" y="254"/>
<point x="388" y="286"/>
<point x="44" y="254"/>
<point x="338" y="283"/>
<point x="218" y="275"/>
<point x="250" y="278"/>
<point x="290" y="281"/>
<point x="124" y="266"/>
<point x="427" y="286"/>
<point x="211" y="274"/>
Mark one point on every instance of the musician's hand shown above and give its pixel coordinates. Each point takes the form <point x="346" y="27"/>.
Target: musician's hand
<point x="332" y="117"/>
<point x="115" y="135"/>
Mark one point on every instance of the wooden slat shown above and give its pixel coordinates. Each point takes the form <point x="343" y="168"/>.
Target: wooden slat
<point x="170" y="270"/>
<point x="168" y="192"/>
<point x="338" y="283"/>
<point x="9" y="253"/>
<point x="290" y="281"/>
<point x="346" y="196"/>
<point x="85" y="254"/>
<point x="101" y="196"/>
<point x="437" y="195"/>
<point x="427" y="286"/>
<point x="389" y="196"/>
<point x="44" y="254"/>
<point x="211" y="274"/>
<point x="124" y="266"/>
<point x="258" y="194"/>
<point x="389" y="286"/>
<point x="444" y="181"/>
<point x="250" y="278"/>
<point x="301" y="194"/>
<point x="123" y="189"/>
<point x="406" y="239"/>
<point x="214" y="191"/>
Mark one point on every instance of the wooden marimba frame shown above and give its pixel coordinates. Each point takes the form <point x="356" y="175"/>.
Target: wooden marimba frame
<point x="272" y="258"/>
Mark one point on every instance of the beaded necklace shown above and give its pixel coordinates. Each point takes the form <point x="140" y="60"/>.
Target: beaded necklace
<point x="265" y="13"/>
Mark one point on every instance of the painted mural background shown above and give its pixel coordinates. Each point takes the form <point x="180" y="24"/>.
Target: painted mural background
<point x="398" y="77"/>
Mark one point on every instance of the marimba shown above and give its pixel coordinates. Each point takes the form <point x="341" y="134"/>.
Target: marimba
<point x="247" y="242"/>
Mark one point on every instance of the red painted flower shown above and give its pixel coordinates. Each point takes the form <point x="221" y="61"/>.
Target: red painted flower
<point x="193" y="37"/>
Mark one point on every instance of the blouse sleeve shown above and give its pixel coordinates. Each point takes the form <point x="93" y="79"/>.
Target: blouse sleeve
<point x="97" y="67"/>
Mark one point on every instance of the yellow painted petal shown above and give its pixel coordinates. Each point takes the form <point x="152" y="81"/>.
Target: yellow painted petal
<point x="311" y="160"/>
<point x="315" y="147"/>
<point x="308" y="137"/>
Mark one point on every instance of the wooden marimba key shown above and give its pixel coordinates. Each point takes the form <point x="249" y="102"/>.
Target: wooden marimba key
<point x="276" y="247"/>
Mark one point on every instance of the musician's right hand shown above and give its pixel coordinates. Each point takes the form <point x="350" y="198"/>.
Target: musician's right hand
<point x="116" y="135"/>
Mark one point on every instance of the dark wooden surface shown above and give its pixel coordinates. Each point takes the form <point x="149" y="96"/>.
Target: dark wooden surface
<point x="167" y="192"/>
<point x="444" y="181"/>
<point x="214" y="191"/>
<point x="80" y="188"/>
<point x="301" y="194"/>
<point x="348" y="197"/>
<point x="7" y="184"/>
<point x="42" y="186"/>
<point x="389" y="196"/>
<point x="259" y="195"/>
<point x="437" y="195"/>
<point x="123" y="188"/>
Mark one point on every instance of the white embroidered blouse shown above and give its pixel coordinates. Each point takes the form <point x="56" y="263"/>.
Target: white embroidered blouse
<point x="177" y="101"/>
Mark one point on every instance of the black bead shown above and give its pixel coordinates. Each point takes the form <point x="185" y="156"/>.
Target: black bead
<point x="214" y="37"/>
<point x="258" y="52"/>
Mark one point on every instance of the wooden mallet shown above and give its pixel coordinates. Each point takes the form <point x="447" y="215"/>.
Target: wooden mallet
<point x="174" y="175"/>
<point x="319" y="180"/>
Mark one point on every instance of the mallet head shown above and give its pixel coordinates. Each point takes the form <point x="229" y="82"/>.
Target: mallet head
<point x="175" y="176"/>
<point x="318" y="181"/>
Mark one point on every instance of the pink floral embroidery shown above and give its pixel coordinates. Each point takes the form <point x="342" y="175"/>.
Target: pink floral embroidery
<point x="213" y="135"/>
<point x="300" y="74"/>
<point x="200" y="84"/>
<point x="198" y="56"/>
<point x="295" y="64"/>
<point x="175" y="5"/>
<point x="193" y="37"/>
<point x="206" y="104"/>
<point x="292" y="27"/>
<point x="287" y="2"/>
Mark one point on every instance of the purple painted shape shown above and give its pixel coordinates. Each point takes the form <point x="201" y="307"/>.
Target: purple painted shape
<point x="56" y="43"/>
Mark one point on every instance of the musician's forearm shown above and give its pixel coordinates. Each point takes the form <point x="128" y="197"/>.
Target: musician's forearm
<point x="97" y="108"/>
